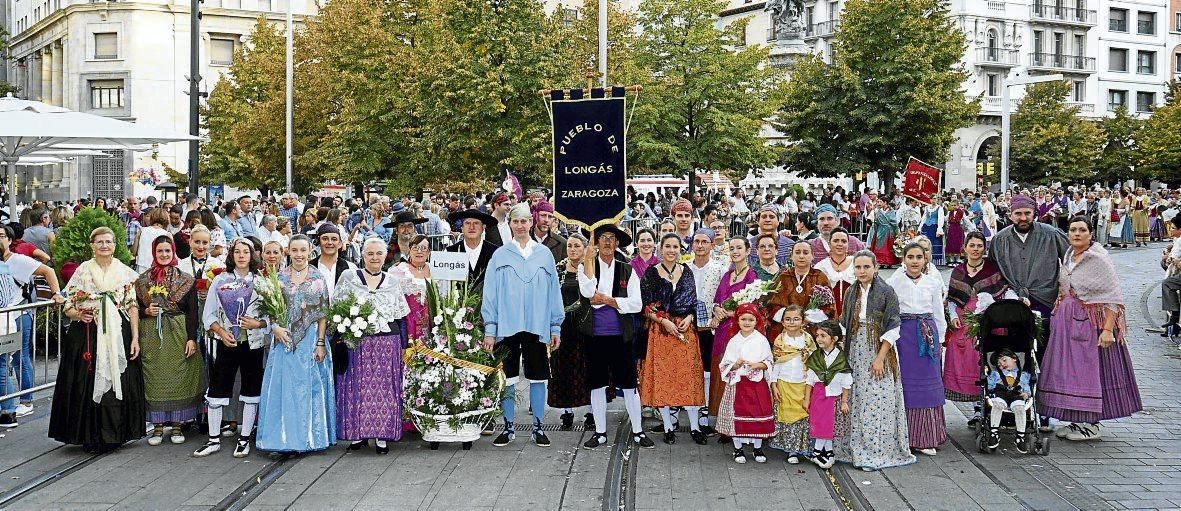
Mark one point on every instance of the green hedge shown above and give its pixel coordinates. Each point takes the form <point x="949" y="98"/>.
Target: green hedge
<point x="73" y="240"/>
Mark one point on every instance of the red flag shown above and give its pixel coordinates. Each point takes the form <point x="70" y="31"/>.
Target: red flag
<point x="920" y="181"/>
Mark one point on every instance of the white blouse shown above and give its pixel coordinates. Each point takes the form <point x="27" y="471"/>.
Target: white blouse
<point x="924" y="296"/>
<point x="839" y="381"/>
<point x="752" y="348"/>
<point x="792" y="369"/>
<point x="846" y="275"/>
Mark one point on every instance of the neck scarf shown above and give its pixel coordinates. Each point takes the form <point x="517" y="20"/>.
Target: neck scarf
<point x="159" y="272"/>
<point x="824" y="371"/>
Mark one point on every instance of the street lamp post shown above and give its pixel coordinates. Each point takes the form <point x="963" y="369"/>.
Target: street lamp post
<point x="290" y="82"/>
<point x="1005" y="96"/>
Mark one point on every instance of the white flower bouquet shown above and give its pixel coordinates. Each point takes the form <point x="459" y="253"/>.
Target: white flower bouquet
<point x="352" y="318"/>
<point x="755" y="292"/>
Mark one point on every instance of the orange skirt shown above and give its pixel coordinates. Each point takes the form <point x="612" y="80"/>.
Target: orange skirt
<point x="671" y="373"/>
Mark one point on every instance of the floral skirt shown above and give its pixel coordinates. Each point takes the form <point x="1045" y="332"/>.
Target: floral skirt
<point x="369" y="393"/>
<point x="876" y="436"/>
<point x="670" y="374"/>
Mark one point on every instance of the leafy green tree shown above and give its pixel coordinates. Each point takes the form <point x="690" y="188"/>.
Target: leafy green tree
<point x="707" y="97"/>
<point x="1049" y="141"/>
<point x="1160" y="140"/>
<point x="72" y="243"/>
<point x="892" y="91"/>
<point x="1119" y="154"/>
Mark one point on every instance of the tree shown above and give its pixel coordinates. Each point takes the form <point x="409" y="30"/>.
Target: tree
<point x="892" y="91"/>
<point x="708" y="95"/>
<point x="5" y="87"/>
<point x="1119" y="152"/>
<point x="1160" y="140"/>
<point x="1049" y="141"/>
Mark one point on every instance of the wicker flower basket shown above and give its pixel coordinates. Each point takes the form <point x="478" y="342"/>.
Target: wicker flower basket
<point x="437" y="428"/>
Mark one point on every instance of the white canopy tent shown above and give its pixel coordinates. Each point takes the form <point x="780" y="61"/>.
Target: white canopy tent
<point x="35" y="128"/>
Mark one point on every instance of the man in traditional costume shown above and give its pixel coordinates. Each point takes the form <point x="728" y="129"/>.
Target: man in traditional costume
<point x="479" y="250"/>
<point x="826" y="221"/>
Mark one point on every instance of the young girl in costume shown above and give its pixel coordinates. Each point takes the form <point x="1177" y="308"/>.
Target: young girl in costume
<point x="829" y="368"/>
<point x="745" y="412"/>
<point x="788" y="387"/>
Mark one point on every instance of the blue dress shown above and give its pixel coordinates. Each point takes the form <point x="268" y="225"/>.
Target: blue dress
<point x="297" y="411"/>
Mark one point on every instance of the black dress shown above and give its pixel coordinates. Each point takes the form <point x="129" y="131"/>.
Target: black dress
<point x="568" y="388"/>
<point x="75" y="417"/>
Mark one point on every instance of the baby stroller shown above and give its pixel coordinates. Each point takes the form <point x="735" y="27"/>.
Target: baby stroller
<point x="1010" y="324"/>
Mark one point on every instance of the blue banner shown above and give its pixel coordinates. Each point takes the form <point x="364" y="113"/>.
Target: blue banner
<point x="590" y="160"/>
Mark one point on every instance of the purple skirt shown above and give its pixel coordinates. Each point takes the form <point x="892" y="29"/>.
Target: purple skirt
<point x="922" y="376"/>
<point x="369" y="393"/>
<point x="1081" y="382"/>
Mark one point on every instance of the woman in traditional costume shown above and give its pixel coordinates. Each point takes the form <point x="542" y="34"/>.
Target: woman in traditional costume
<point x="645" y="251"/>
<point x="298" y="408"/>
<point x="953" y="244"/>
<point x="881" y="236"/>
<point x="569" y="388"/>
<point x="921" y="331"/>
<point x="671" y="373"/>
<point x="738" y="277"/>
<point x="933" y="226"/>
<point x="237" y="337"/>
<point x="1087" y="373"/>
<point x="838" y="267"/>
<point x="876" y="436"/>
<point x="1140" y="204"/>
<point x="796" y="286"/>
<point x="766" y="265"/>
<point x="369" y="393"/>
<point x="98" y="400"/>
<point x="174" y="377"/>
<point x="961" y="369"/>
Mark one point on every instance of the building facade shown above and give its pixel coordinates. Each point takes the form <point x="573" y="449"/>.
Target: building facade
<point x="1113" y="52"/>
<point x="125" y="60"/>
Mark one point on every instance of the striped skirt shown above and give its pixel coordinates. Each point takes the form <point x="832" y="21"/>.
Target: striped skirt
<point x="926" y="427"/>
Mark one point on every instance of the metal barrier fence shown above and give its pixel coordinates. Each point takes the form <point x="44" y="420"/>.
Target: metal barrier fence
<point x="37" y="325"/>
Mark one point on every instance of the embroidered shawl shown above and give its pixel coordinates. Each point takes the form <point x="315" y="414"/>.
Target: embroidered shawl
<point x="108" y="293"/>
<point x="963" y="287"/>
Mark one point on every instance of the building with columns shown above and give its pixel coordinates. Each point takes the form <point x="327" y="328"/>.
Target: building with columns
<point x="1114" y="52"/>
<point x="126" y="60"/>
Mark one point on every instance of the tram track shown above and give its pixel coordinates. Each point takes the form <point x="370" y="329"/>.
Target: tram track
<point x="44" y="480"/>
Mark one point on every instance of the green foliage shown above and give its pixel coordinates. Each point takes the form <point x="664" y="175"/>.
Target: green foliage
<point x="893" y="91"/>
<point x="73" y="240"/>
<point x="1049" y="141"/>
<point x="5" y="87"/>
<point x="707" y="97"/>
<point x="1119" y="154"/>
<point x="1160" y="142"/>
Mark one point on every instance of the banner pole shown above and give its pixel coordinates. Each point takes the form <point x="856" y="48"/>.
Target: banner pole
<point x="602" y="43"/>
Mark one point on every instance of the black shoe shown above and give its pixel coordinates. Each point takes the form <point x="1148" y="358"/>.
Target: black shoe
<point x="504" y="438"/>
<point x="567" y="422"/>
<point x="8" y="420"/>
<point x="723" y="439"/>
<point x="540" y="439"/>
<point x="759" y="456"/>
<point x="739" y="456"/>
<point x="994" y="438"/>
<point x="1019" y="443"/>
<point x="358" y="445"/>
<point x="588" y="422"/>
<point x="597" y="440"/>
<point x="670" y="437"/>
<point x="708" y="430"/>
<point x="659" y="428"/>
<point x="698" y="437"/>
<point x="643" y="441"/>
<point x="383" y="450"/>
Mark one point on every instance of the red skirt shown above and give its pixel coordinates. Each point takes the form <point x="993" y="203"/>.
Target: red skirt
<point x="885" y="252"/>
<point x="746" y="410"/>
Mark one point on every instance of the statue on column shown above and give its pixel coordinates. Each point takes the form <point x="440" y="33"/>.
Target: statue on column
<point x="787" y="18"/>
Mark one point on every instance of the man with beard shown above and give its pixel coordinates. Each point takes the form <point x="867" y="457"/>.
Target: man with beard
<point x="499" y="210"/>
<point x="543" y="222"/>
<point x="403" y="225"/>
<point x="1028" y="253"/>
<point x="826" y="221"/>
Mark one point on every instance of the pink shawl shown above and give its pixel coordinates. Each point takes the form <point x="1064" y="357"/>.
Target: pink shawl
<point x="1094" y="282"/>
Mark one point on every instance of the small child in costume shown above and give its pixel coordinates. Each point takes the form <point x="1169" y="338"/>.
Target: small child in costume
<point x="829" y="368"/>
<point x="745" y="413"/>
<point x="788" y="387"/>
<point x="1008" y="389"/>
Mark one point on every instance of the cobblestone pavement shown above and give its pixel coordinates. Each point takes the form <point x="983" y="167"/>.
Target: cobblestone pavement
<point x="1136" y="465"/>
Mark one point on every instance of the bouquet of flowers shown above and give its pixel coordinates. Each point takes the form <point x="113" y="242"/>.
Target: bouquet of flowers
<point x="352" y="318"/>
<point x="158" y="295"/>
<point x="452" y="385"/>
<point x="754" y="292"/>
<point x="271" y="301"/>
<point x="203" y="280"/>
<point x="821" y="297"/>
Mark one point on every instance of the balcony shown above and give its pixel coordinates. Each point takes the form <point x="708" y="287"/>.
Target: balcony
<point x="826" y="28"/>
<point x="1083" y="107"/>
<point x="990" y="103"/>
<point x="1052" y="14"/>
<point x="1065" y="63"/>
<point x="996" y="5"/>
<point x="996" y="57"/>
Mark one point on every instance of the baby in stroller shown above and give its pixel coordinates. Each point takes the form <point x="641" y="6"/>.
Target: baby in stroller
<point x="1008" y="390"/>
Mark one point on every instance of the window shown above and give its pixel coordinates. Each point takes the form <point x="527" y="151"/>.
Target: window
<point x="1146" y="62"/>
<point x="264" y="5"/>
<point x="1177" y="63"/>
<point x="106" y="94"/>
<point x="1117" y="20"/>
<point x="106" y="45"/>
<point x="1145" y="101"/>
<point x="1146" y="23"/>
<point x="1080" y="45"/>
<point x="1177" y="24"/>
<point x="1117" y="60"/>
<point x="1039" y="41"/>
<point x="992" y="84"/>
<point x="1079" y="93"/>
<point x="221" y="51"/>
<point x="832" y="11"/>
<point x="1116" y="99"/>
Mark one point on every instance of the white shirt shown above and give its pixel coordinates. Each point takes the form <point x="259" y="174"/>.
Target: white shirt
<point x="144" y="256"/>
<point x="1174" y="254"/>
<point x="924" y="296"/>
<point x="890" y="336"/>
<point x="329" y="273"/>
<point x="22" y="267"/>
<point x="197" y="270"/>
<point x="792" y="369"/>
<point x="630" y="304"/>
<point x="473" y="254"/>
<point x="752" y="348"/>
<point x="839" y="381"/>
<point x="527" y="250"/>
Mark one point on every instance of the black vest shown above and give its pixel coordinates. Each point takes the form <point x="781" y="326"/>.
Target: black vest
<point x="623" y="274"/>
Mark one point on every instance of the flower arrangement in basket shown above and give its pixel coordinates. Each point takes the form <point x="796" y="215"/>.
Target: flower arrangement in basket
<point x="352" y="318"/>
<point x="755" y="292"/>
<point x="453" y="387"/>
